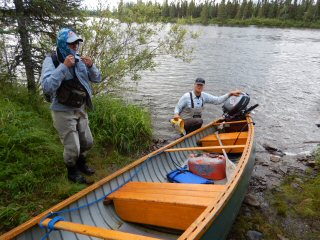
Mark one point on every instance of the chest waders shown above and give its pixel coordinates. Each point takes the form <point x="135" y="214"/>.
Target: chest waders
<point x="196" y="112"/>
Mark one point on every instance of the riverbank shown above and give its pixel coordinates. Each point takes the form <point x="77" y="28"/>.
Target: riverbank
<point x="33" y="176"/>
<point x="258" y="22"/>
<point x="283" y="198"/>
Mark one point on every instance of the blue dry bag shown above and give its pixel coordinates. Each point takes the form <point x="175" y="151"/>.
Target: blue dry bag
<point x="185" y="176"/>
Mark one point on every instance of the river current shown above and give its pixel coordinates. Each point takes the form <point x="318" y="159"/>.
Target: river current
<point x="278" y="68"/>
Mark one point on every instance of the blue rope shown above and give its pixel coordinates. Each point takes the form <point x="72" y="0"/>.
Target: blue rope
<point x="51" y="225"/>
<point x="59" y="218"/>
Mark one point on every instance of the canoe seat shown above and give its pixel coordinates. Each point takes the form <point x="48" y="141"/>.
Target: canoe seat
<point x="233" y="138"/>
<point x="171" y="205"/>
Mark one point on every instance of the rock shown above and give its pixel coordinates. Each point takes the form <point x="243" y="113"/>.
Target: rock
<point x="295" y="185"/>
<point x="311" y="163"/>
<point x="258" y="160"/>
<point x="261" y="161"/>
<point x="304" y="156"/>
<point x="265" y="205"/>
<point x="251" y="201"/>
<point x="280" y="237"/>
<point x="274" y="158"/>
<point x="284" y="169"/>
<point x="275" y="170"/>
<point x="247" y="212"/>
<point x="273" y="150"/>
<point x="259" y="148"/>
<point x="298" y="180"/>
<point x="254" y="235"/>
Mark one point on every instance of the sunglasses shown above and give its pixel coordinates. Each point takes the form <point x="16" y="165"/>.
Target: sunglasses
<point x="74" y="43"/>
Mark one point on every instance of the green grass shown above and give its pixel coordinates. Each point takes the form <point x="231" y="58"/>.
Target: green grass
<point x="126" y="126"/>
<point x="255" y="221"/>
<point x="33" y="175"/>
<point x="302" y="201"/>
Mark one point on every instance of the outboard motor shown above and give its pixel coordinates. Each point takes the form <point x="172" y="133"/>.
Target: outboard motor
<point x="235" y="108"/>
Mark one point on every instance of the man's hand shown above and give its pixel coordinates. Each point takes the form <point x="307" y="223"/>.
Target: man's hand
<point x="176" y="117"/>
<point x="87" y="61"/>
<point x="69" y="61"/>
<point x="235" y="93"/>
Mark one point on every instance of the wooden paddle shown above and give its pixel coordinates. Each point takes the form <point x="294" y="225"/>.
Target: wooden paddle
<point x="230" y="166"/>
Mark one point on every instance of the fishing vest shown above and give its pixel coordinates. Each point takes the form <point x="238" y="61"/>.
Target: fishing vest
<point x="192" y="112"/>
<point x="71" y="92"/>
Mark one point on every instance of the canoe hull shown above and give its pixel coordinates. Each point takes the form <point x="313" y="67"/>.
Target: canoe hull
<point x="221" y="227"/>
<point x="218" y="217"/>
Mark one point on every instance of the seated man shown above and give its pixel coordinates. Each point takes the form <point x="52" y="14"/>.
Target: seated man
<point x="191" y="105"/>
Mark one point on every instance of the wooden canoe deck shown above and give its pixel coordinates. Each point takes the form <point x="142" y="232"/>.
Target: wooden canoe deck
<point x="233" y="138"/>
<point x="172" y="205"/>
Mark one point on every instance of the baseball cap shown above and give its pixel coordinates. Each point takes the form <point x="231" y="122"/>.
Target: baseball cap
<point x="200" y="81"/>
<point x="73" y="37"/>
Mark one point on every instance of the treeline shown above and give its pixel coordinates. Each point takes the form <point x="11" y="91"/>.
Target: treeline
<point x="304" y="10"/>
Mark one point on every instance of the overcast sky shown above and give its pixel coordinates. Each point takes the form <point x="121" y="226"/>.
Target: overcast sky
<point x="92" y="4"/>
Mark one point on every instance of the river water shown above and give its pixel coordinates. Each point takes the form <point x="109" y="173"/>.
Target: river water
<point x="278" y="68"/>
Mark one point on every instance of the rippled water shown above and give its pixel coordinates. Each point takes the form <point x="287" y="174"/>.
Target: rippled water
<point x="278" y="68"/>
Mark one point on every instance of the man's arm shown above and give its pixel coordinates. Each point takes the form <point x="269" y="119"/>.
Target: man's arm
<point x="52" y="77"/>
<point x="183" y="102"/>
<point x="93" y="72"/>
<point x="208" y="98"/>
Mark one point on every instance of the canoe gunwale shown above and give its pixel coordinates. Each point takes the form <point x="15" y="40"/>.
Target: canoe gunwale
<point x="194" y="231"/>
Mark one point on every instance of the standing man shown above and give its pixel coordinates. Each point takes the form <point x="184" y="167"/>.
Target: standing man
<point x="66" y="78"/>
<point x="191" y="105"/>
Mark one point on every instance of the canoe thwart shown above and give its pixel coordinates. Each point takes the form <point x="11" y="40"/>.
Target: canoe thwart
<point x="227" y="139"/>
<point x="208" y="148"/>
<point x="171" y="205"/>
<point x="94" y="231"/>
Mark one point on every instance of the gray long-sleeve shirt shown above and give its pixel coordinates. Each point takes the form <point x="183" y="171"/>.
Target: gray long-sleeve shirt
<point x="184" y="103"/>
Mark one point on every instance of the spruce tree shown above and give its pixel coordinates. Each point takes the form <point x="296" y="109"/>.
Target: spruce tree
<point x="31" y="21"/>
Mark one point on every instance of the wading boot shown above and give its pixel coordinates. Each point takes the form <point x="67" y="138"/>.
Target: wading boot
<point x="83" y="167"/>
<point x="74" y="176"/>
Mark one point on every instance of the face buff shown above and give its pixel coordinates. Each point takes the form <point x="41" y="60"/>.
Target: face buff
<point x="62" y="44"/>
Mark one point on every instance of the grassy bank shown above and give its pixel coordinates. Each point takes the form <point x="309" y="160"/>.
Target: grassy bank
<point x="293" y="211"/>
<point x="33" y="175"/>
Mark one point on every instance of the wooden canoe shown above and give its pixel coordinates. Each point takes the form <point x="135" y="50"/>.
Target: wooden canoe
<point x="146" y="206"/>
